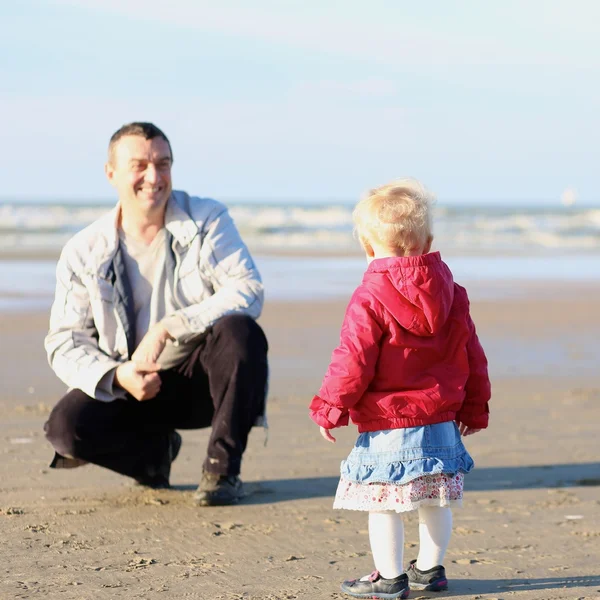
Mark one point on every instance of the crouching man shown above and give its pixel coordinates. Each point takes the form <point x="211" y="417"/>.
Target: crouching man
<point x="153" y="329"/>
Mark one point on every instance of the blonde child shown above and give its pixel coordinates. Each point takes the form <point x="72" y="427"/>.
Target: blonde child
<point x="412" y="375"/>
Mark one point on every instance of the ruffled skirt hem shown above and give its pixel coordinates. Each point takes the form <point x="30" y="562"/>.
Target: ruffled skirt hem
<point x="428" y="490"/>
<point x="405" y="508"/>
<point x="403" y="471"/>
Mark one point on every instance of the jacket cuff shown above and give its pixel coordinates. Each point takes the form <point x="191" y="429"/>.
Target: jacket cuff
<point x="98" y="381"/>
<point x="108" y="385"/>
<point x="327" y="416"/>
<point x="477" y="421"/>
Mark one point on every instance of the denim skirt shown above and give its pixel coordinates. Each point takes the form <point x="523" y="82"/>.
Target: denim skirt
<point x="402" y="469"/>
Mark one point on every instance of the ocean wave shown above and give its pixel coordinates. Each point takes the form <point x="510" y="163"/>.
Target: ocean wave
<point x="330" y="226"/>
<point x="42" y="218"/>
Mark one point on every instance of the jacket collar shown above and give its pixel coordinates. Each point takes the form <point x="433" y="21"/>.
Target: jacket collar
<point x="178" y="223"/>
<point x="381" y="265"/>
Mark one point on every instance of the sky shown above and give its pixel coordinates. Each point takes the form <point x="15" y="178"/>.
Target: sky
<point x="308" y="99"/>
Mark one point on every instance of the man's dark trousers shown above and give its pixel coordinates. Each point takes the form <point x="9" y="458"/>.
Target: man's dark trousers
<point x="221" y="384"/>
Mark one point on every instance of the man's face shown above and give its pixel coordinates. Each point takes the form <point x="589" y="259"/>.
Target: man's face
<point x="140" y="171"/>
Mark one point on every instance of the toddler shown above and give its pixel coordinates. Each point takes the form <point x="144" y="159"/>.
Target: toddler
<point x="412" y="375"/>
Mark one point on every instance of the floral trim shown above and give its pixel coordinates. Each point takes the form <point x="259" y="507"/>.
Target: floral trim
<point x="437" y="490"/>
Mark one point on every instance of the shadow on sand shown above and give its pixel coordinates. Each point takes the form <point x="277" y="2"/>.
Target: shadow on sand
<point x="480" y="480"/>
<point x="498" y="586"/>
<point x="530" y="477"/>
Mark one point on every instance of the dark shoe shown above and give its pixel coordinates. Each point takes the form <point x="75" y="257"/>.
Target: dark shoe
<point x="158" y="479"/>
<point x="431" y="580"/>
<point x="377" y="587"/>
<point x="218" y="490"/>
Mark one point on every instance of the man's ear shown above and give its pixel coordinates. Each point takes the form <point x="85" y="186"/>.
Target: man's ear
<point x="109" y="171"/>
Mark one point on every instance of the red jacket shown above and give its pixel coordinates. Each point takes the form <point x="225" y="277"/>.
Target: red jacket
<point x="408" y="354"/>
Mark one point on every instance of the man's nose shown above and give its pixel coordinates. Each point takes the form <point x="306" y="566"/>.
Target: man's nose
<point x="151" y="174"/>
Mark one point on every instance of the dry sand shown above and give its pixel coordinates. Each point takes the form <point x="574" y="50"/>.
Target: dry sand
<point x="530" y="526"/>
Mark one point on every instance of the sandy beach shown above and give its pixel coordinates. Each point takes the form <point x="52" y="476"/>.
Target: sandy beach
<point x="530" y="526"/>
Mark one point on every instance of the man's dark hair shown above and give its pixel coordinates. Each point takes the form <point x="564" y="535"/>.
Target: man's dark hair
<point x="148" y="131"/>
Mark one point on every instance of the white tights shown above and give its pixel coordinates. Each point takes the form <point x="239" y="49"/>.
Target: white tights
<point x="386" y="534"/>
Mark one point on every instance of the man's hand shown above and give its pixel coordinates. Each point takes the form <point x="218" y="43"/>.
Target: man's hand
<point x="152" y="344"/>
<point x="466" y="430"/>
<point x="327" y="435"/>
<point x="141" y="380"/>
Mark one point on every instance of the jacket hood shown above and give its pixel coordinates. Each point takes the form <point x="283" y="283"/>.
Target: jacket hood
<point x="417" y="290"/>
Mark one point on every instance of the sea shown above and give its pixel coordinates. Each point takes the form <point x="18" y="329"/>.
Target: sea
<point x="306" y="250"/>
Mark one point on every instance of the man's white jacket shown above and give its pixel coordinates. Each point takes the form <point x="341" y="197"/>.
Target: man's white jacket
<point x="209" y="270"/>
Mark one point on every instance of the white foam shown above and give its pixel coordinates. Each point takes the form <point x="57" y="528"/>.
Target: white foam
<point x="308" y="226"/>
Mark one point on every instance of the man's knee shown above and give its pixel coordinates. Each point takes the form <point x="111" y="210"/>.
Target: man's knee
<point x="60" y="433"/>
<point x="241" y="337"/>
<point x="63" y="424"/>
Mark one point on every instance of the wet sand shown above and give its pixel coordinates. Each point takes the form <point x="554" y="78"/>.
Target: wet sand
<point x="530" y="526"/>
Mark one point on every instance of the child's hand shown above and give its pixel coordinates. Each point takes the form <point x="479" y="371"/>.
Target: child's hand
<point x="327" y="435"/>
<point x="466" y="430"/>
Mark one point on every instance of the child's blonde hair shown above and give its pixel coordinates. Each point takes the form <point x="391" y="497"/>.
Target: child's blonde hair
<point x="397" y="215"/>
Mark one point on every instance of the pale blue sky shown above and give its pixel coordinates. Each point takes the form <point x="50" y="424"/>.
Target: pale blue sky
<point x="481" y="100"/>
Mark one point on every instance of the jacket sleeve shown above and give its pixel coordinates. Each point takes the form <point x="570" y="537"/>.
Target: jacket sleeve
<point x="72" y="340"/>
<point x="226" y="261"/>
<point x="475" y="410"/>
<point x="352" y="365"/>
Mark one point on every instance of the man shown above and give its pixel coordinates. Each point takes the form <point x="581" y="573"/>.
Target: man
<point x="153" y="329"/>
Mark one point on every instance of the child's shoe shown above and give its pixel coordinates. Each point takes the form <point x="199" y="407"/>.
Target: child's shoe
<point x="377" y="587"/>
<point x="431" y="580"/>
